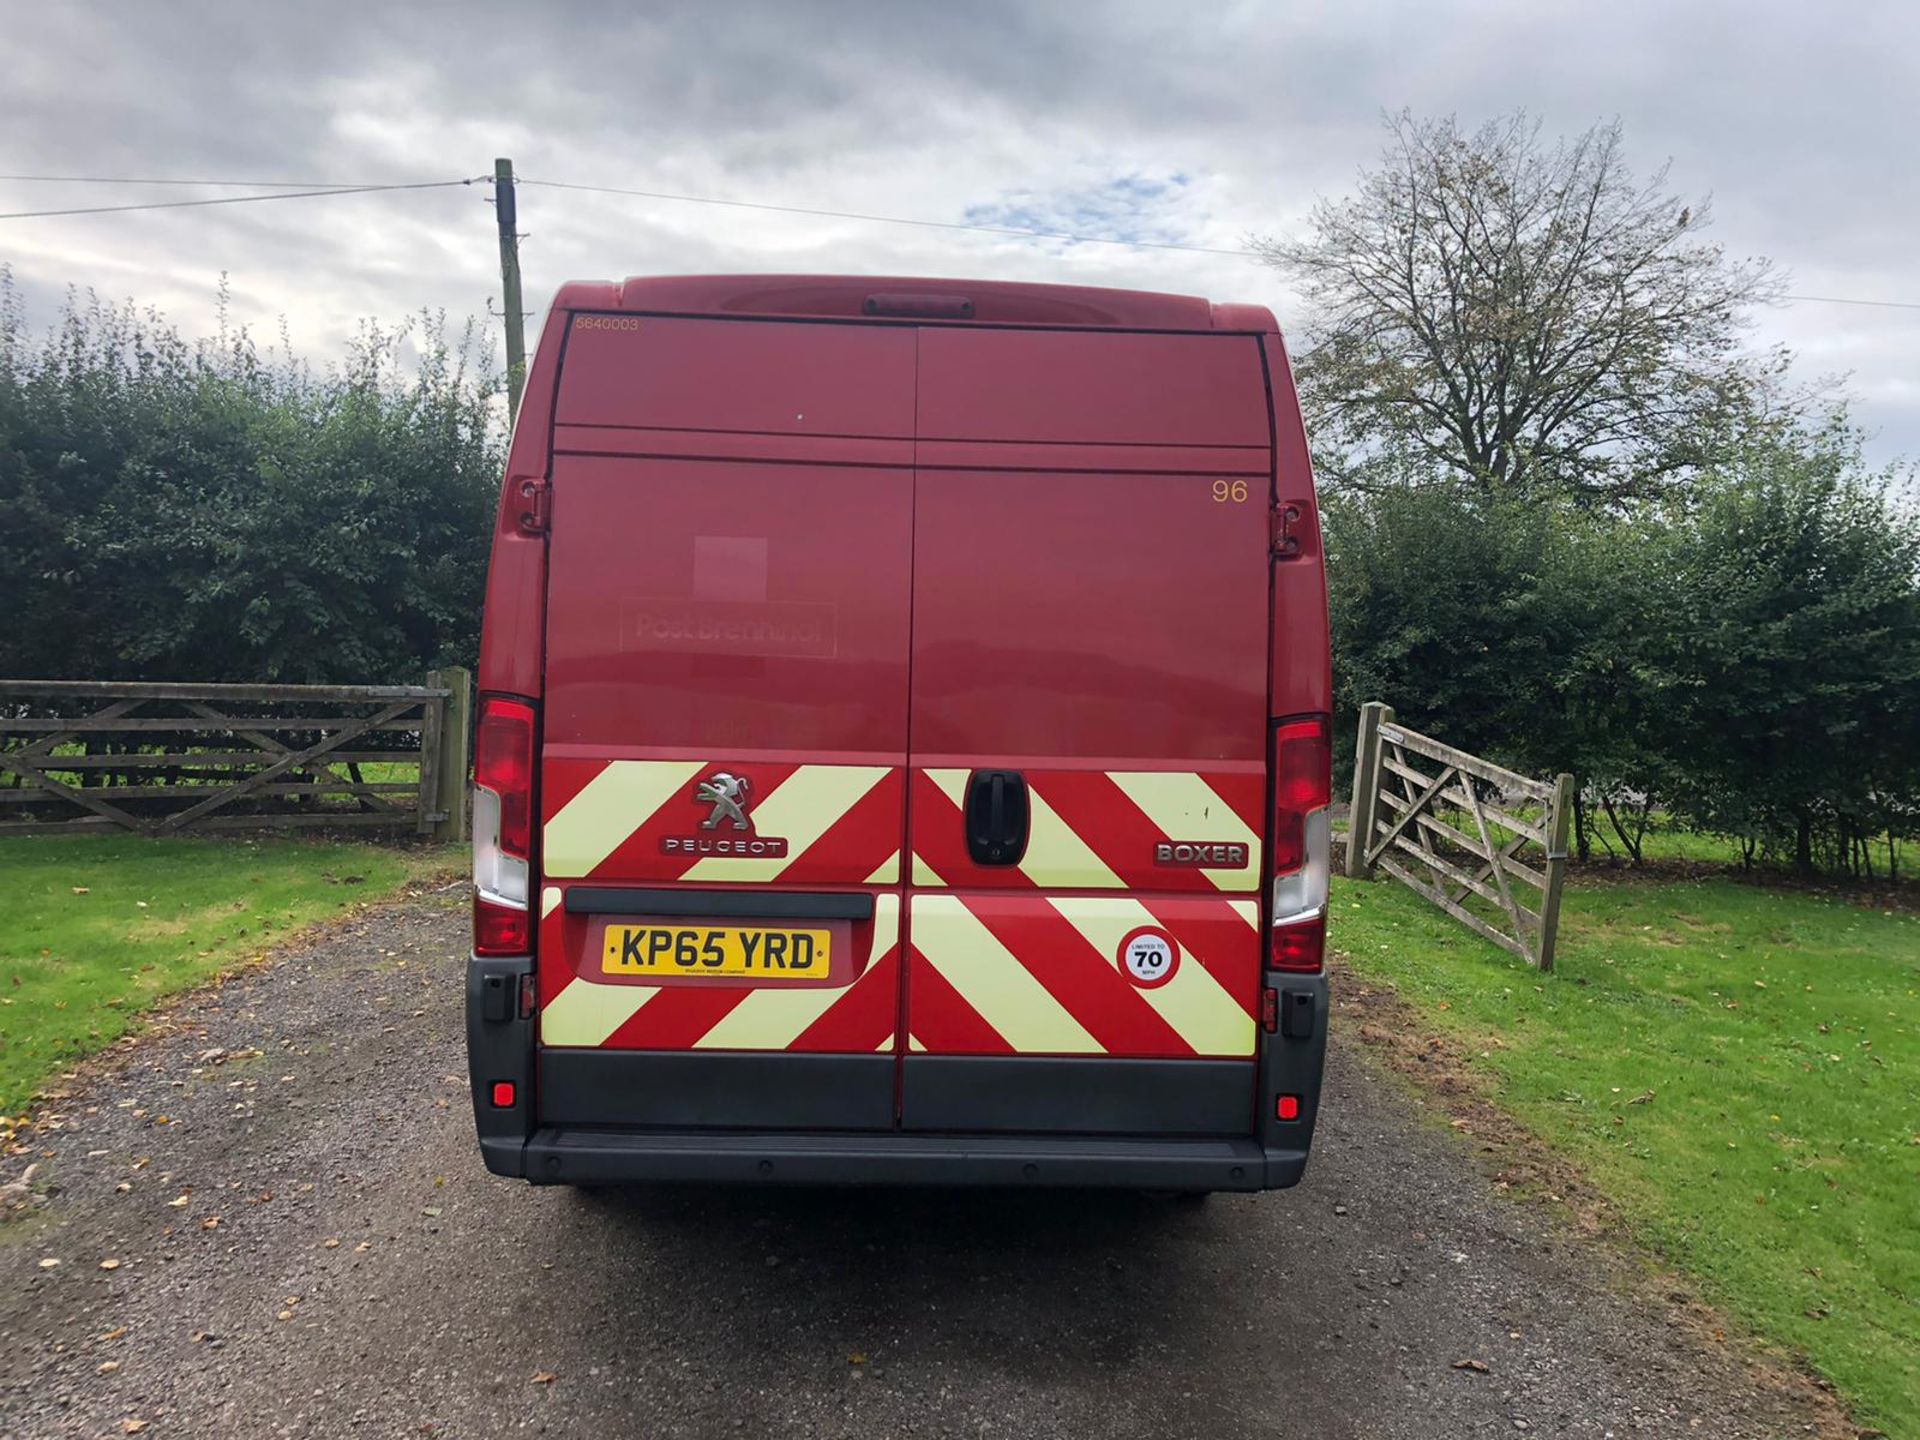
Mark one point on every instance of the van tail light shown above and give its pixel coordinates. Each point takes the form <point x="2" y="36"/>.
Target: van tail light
<point x="1300" y="842"/>
<point x="502" y="827"/>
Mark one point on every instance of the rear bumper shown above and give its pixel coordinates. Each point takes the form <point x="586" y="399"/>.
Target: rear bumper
<point x="607" y="1157"/>
<point x="610" y="1117"/>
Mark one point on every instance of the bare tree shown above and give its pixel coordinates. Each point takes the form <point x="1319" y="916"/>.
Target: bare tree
<point x="1527" y="318"/>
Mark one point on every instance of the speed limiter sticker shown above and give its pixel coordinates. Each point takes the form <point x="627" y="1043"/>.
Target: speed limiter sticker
<point x="1149" y="956"/>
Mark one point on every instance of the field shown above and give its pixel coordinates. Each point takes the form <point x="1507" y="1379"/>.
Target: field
<point x="95" y="929"/>
<point x="1735" y="1066"/>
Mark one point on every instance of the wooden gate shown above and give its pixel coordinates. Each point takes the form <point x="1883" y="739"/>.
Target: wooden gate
<point x="163" y="758"/>
<point x="1483" y="836"/>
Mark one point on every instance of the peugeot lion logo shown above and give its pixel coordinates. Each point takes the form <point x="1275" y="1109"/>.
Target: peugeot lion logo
<point x="728" y="796"/>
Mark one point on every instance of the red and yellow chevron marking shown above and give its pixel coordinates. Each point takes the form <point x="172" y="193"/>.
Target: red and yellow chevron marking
<point x="858" y="1017"/>
<point x="606" y="819"/>
<point x="1024" y="974"/>
<point x="1096" y="830"/>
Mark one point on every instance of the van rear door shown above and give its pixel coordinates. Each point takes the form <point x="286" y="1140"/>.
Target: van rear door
<point x="724" y="724"/>
<point x="1089" y="726"/>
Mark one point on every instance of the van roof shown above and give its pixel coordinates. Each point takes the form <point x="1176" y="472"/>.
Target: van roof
<point x="914" y="300"/>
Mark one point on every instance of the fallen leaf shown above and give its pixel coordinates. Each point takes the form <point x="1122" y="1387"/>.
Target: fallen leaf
<point x="109" y="1264"/>
<point x="48" y="1263"/>
<point x="333" y="1244"/>
<point x="179" y="1202"/>
<point x="858" y="1357"/>
<point x="107" y="1367"/>
<point x="133" y="1427"/>
<point x="1479" y="1367"/>
<point x="1642" y="1098"/>
<point x="431" y="1211"/>
<point x="543" y="1377"/>
<point x="212" y="1222"/>
<point x="285" y="1315"/>
<point x="80" y="890"/>
<point x="363" y="1247"/>
<point x="115" y="1333"/>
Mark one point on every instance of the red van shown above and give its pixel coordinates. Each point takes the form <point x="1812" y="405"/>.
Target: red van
<point x="902" y="753"/>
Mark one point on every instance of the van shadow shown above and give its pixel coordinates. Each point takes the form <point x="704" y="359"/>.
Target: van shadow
<point x="1026" y="1282"/>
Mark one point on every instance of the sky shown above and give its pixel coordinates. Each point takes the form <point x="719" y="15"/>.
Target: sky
<point x="1178" y="123"/>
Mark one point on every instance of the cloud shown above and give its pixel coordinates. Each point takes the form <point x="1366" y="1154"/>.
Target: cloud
<point x="1195" y="125"/>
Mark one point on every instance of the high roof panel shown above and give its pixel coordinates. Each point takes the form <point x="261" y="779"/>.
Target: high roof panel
<point x="915" y="299"/>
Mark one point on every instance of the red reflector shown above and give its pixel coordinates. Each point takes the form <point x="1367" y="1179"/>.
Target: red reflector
<point x="500" y="929"/>
<point x="1269" y="1010"/>
<point x="1299" y="947"/>
<point x="503" y="1095"/>
<point x="1286" y="1107"/>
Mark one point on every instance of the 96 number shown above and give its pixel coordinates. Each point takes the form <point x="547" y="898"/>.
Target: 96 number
<point x="1225" y="491"/>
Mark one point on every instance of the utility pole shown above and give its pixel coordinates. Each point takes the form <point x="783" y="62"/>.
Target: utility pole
<point x="504" y="215"/>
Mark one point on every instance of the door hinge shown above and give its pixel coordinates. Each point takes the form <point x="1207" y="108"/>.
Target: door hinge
<point x="536" y="504"/>
<point x="1285" y="518"/>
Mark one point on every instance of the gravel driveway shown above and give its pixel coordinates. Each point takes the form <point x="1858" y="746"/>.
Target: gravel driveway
<point x="309" y="1246"/>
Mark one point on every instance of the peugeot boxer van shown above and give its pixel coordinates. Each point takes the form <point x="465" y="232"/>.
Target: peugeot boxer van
<point x="902" y="750"/>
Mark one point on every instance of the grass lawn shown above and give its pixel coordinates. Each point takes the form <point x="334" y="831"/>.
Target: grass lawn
<point x="1772" y="1042"/>
<point x="95" y="928"/>
<point x="1667" y="841"/>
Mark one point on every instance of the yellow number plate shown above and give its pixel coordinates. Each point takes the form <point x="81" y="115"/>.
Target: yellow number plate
<point x="707" y="951"/>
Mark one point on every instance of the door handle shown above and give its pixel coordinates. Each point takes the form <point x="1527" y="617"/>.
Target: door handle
<point x="997" y="817"/>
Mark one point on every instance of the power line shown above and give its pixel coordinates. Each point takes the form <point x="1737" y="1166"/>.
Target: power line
<point x="1838" y="300"/>
<point x="891" y="219"/>
<point x="152" y="180"/>
<point x="300" y="189"/>
<point x="235" y="199"/>
<point x="1032" y="234"/>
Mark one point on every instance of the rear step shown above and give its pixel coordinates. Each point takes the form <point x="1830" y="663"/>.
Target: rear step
<point x="590" y="1157"/>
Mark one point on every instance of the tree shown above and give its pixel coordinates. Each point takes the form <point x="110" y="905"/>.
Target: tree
<point x="1500" y="626"/>
<point x="1788" y="654"/>
<point x="204" y="512"/>
<point x="1524" y="318"/>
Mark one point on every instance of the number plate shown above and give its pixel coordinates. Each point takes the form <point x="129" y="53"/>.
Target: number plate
<point x="702" y="951"/>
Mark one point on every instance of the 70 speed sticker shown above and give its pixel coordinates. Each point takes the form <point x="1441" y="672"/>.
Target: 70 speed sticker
<point x="1149" y="956"/>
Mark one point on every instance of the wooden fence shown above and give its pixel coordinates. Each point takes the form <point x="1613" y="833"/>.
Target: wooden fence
<point x="163" y="758"/>
<point x="1476" y="831"/>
